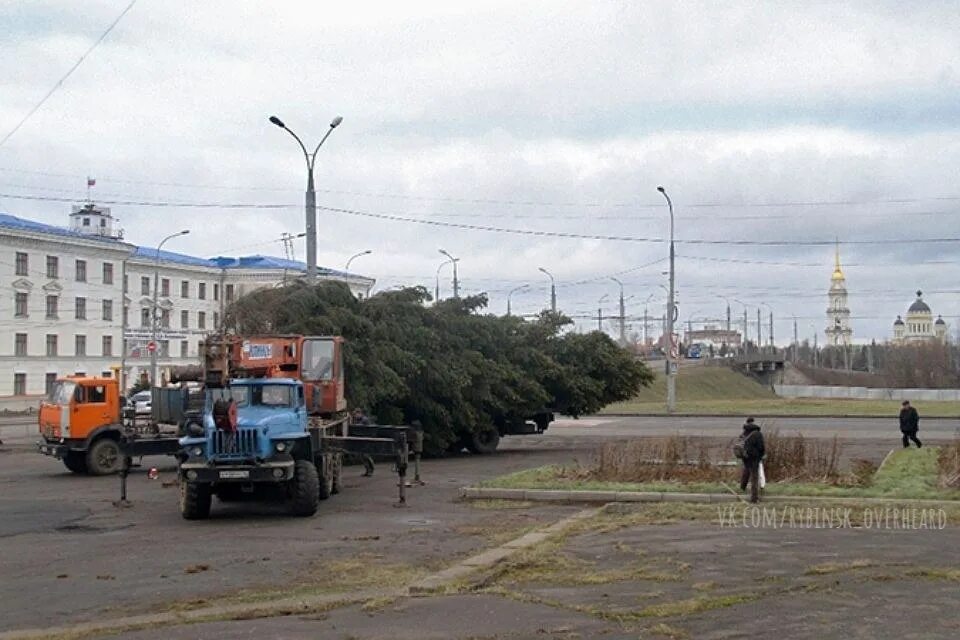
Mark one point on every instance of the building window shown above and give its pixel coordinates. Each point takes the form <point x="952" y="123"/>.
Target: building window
<point x="126" y="315"/>
<point x="81" y="270"/>
<point x="216" y="292"/>
<point x="144" y="317"/>
<point x="164" y="348"/>
<point x="165" y="318"/>
<point x="165" y="287"/>
<point x="20" y="306"/>
<point x="53" y="267"/>
<point x="107" y="346"/>
<point x="108" y="310"/>
<point x="144" y="286"/>
<point x="126" y="283"/>
<point x="107" y="273"/>
<point x="183" y="348"/>
<point x="184" y="288"/>
<point x="23" y="266"/>
<point x="19" y="384"/>
<point x="202" y="290"/>
<point x="184" y="319"/>
<point x="51" y="344"/>
<point x="49" y="381"/>
<point x="52" y="307"/>
<point x="80" y="308"/>
<point x="228" y="294"/>
<point x="216" y="319"/>
<point x="80" y="345"/>
<point x="86" y="222"/>
<point x="20" y="344"/>
<point x="201" y="320"/>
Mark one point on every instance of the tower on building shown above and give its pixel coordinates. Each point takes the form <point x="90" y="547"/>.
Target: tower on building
<point x="95" y="221"/>
<point x="838" y="329"/>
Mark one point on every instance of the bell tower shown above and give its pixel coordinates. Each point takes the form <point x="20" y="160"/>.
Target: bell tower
<point x="838" y="329"/>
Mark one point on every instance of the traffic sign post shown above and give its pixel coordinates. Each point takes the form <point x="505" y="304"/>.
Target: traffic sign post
<point x="152" y="346"/>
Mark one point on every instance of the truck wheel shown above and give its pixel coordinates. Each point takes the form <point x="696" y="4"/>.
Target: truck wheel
<point x="76" y="461"/>
<point x="304" y="489"/>
<point x="194" y="500"/>
<point x="104" y="457"/>
<point x="337" y="484"/>
<point x="484" y="442"/>
<point x="325" y="478"/>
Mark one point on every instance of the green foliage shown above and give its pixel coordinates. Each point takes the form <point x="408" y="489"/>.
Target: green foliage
<point x="454" y="369"/>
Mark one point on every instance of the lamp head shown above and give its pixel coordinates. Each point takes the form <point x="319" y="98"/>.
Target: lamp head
<point x="661" y="189"/>
<point x="277" y="121"/>
<point x="336" y="122"/>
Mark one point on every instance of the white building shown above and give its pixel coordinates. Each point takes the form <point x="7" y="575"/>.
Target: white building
<point x="63" y="312"/>
<point x="919" y="324"/>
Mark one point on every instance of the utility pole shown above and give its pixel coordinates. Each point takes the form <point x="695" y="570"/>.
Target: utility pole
<point x="759" y="331"/>
<point x="553" y="290"/>
<point x="600" y="312"/>
<point x="456" y="282"/>
<point x="745" y="327"/>
<point x="671" y="309"/>
<point x="156" y="319"/>
<point x="796" y="342"/>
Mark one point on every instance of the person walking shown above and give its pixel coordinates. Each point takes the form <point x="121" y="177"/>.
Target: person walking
<point x="750" y="449"/>
<point x="909" y="424"/>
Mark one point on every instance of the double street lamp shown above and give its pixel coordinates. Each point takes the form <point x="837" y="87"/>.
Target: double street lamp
<point x="671" y="361"/>
<point x="155" y="320"/>
<point x="553" y="290"/>
<point x="310" y="208"/>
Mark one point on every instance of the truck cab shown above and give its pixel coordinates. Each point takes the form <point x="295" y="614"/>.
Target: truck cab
<point x="79" y="423"/>
<point x="268" y="442"/>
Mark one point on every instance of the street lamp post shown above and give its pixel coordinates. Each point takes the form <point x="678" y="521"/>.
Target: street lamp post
<point x="645" y="317"/>
<point x="553" y="290"/>
<point x="436" y="296"/>
<point x="745" y="326"/>
<point x="671" y="362"/>
<point x="357" y="255"/>
<point x="623" y="315"/>
<point x="512" y="291"/>
<point x="155" y="320"/>
<point x="456" y="282"/>
<point x="600" y="312"/>
<point x="772" y="347"/>
<point x="310" y="208"/>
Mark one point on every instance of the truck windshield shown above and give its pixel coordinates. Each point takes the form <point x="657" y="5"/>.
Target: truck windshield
<point x="273" y="395"/>
<point x="62" y="392"/>
<point x="317" y="360"/>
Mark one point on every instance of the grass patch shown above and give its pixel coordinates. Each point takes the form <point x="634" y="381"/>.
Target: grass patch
<point x="908" y="474"/>
<point x="664" y="630"/>
<point x="696" y="605"/>
<point x="837" y="567"/>
<point x="952" y="575"/>
<point x="493" y="505"/>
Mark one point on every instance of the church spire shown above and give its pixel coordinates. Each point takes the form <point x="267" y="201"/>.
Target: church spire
<point x="837" y="271"/>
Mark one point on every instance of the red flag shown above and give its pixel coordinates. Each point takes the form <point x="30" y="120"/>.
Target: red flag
<point x="91" y="182"/>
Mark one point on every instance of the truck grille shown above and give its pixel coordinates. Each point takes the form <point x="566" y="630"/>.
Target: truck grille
<point x="242" y="444"/>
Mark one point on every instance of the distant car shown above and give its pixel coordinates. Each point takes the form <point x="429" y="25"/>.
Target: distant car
<point x="141" y="403"/>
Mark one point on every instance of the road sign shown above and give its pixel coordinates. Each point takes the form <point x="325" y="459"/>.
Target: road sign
<point x="675" y="346"/>
<point x="151" y="346"/>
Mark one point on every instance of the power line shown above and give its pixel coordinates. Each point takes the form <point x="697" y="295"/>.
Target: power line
<point x="69" y="72"/>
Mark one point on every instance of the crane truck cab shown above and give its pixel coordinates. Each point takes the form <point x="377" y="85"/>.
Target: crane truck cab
<point x="80" y="423"/>
<point x="254" y="433"/>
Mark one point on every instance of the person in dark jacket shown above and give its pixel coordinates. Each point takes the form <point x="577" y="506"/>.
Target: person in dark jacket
<point x="909" y="424"/>
<point x="753" y="452"/>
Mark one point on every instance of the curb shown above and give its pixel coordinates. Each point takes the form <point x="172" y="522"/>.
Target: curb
<point x="758" y="416"/>
<point x="490" y="558"/>
<point x="574" y="496"/>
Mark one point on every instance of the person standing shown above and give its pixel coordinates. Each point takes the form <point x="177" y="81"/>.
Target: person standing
<point x="909" y="424"/>
<point x="750" y="449"/>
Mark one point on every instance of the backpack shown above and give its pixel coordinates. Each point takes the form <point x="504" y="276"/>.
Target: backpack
<point x="740" y="446"/>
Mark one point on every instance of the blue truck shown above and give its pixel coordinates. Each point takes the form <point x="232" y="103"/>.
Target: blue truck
<point x="257" y="439"/>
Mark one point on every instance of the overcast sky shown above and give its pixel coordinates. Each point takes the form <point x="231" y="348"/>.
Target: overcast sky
<point x="765" y="123"/>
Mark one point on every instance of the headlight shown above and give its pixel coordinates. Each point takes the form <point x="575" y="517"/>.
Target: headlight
<point x="196" y="451"/>
<point x="282" y="446"/>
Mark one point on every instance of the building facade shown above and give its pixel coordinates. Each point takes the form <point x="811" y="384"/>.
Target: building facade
<point x="919" y="324"/>
<point x="80" y="298"/>
<point x="839" y="332"/>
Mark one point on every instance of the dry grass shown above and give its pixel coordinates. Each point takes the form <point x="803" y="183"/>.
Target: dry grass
<point x="690" y="459"/>
<point x="948" y="465"/>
